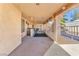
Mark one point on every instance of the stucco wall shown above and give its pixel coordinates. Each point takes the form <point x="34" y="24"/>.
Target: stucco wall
<point x="10" y="28"/>
<point x="50" y="30"/>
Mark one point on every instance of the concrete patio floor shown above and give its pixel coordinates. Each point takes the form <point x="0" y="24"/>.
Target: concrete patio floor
<point x="32" y="46"/>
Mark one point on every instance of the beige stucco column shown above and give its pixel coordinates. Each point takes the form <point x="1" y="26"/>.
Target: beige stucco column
<point x="57" y="29"/>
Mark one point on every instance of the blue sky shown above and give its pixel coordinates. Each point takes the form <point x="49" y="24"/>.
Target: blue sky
<point x="70" y="15"/>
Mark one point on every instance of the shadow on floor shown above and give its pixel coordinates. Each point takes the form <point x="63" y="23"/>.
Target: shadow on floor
<point x="40" y="35"/>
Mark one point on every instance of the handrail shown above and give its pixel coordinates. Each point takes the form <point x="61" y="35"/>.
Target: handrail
<point x="73" y="30"/>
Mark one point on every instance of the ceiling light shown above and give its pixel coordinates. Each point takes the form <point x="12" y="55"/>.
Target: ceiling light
<point x="64" y="8"/>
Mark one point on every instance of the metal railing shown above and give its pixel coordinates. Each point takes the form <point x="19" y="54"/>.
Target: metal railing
<point x="73" y="30"/>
